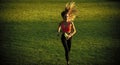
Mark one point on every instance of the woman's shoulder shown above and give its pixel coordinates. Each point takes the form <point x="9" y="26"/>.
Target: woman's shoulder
<point x="71" y="22"/>
<point x="60" y="22"/>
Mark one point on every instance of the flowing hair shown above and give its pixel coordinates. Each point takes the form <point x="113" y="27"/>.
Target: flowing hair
<point x="70" y="10"/>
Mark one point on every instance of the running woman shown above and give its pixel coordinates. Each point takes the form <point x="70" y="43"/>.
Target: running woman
<point x="67" y="27"/>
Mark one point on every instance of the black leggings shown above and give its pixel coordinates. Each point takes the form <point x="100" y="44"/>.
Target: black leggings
<point x="67" y="45"/>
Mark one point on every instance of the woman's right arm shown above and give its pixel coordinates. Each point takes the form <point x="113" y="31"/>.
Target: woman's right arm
<point x="59" y="28"/>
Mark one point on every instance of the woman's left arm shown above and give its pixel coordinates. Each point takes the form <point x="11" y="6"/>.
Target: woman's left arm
<point x="74" y="29"/>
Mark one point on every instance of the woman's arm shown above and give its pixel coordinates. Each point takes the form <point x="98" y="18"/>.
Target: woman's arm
<point x="74" y="29"/>
<point x="59" y="27"/>
<point x="58" y="30"/>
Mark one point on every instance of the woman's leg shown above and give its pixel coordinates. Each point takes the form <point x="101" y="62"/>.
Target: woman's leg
<point x="69" y="43"/>
<point x="65" y="45"/>
<point x="69" y="47"/>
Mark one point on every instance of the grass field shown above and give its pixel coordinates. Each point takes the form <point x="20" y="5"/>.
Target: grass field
<point x="28" y="34"/>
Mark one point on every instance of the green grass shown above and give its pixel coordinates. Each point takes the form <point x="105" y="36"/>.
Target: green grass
<point x="28" y="34"/>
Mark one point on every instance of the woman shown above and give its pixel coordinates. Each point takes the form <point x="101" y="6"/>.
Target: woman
<point x="67" y="28"/>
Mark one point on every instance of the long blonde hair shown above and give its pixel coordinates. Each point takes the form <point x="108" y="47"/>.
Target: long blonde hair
<point x="70" y="10"/>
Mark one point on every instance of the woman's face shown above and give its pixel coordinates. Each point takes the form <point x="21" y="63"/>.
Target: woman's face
<point x="67" y="17"/>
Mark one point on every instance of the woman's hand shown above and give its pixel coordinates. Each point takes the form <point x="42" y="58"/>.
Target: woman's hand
<point x="69" y="36"/>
